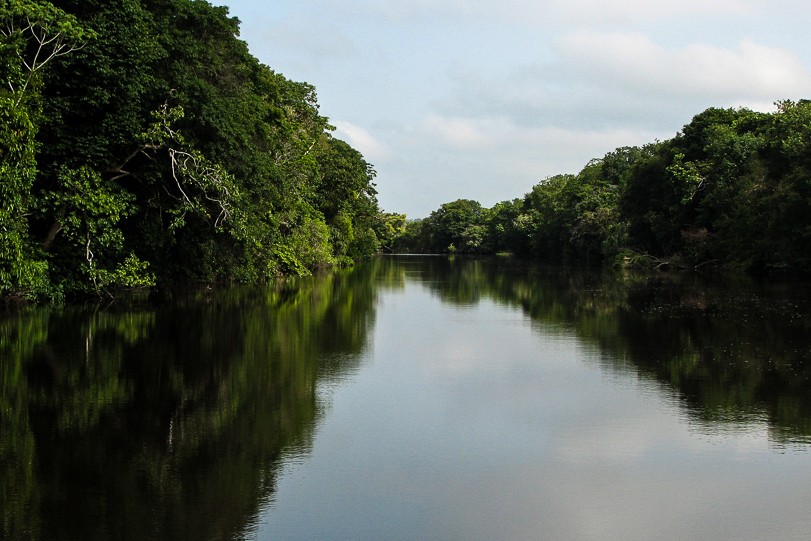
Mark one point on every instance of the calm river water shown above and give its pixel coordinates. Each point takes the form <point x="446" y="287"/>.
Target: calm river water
<point x="415" y="398"/>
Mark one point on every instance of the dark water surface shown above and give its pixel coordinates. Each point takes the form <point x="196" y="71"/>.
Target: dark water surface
<point x="415" y="398"/>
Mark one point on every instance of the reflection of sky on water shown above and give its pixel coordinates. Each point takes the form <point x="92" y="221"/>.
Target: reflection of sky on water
<point x="474" y="423"/>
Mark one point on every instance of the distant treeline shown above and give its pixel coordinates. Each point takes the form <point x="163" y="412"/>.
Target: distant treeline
<point x="141" y="144"/>
<point x="732" y="189"/>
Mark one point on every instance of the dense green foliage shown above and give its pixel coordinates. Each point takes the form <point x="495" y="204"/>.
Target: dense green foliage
<point x="141" y="143"/>
<point x="732" y="189"/>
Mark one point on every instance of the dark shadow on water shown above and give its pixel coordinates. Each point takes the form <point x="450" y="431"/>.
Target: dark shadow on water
<point x="168" y="422"/>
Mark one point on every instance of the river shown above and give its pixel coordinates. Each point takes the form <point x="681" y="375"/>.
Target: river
<point x="415" y="398"/>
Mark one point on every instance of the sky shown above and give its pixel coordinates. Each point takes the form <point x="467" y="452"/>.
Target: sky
<point x="479" y="99"/>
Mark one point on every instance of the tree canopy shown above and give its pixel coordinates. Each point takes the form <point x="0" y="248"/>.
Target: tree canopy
<point x="142" y="144"/>
<point x="731" y="189"/>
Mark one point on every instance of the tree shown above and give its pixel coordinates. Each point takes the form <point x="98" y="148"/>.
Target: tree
<point x="389" y="227"/>
<point x="653" y="202"/>
<point x="36" y="32"/>
<point x="168" y="153"/>
<point x="457" y="225"/>
<point x="501" y="228"/>
<point x="32" y="34"/>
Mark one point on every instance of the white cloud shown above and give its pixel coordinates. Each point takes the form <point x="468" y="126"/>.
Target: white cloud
<point x="619" y="11"/>
<point x="543" y="13"/>
<point x="456" y="132"/>
<point x="359" y="138"/>
<point x="503" y="139"/>
<point x="547" y="13"/>
<point x="603" y="83"/>
<point x="505" y="157"/>
<point x="481" y="99"/>
<point x="635" y="64"/>
<point x="410" y="10"/>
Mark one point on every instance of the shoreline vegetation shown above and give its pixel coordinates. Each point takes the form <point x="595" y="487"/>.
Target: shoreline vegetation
<point x="143" y="146"/>
<point x="731" y="191"/>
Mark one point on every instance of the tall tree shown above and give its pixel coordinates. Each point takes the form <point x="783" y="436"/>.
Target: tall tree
<point x="32" y="36"/>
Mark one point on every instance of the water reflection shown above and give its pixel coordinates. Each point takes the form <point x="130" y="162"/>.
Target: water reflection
<point x="505" y="403"/>
<point x="735" y="351"/>
<point x="175" y="421"/>
<point x="139" y="422"/>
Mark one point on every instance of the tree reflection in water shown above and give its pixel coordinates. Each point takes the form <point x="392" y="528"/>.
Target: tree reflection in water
<point x="732" y="350"/>
<point x="167" y="422"/>
<point x="172" y="421"/>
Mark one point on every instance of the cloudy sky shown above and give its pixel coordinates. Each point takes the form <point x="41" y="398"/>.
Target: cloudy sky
<point x="481" y="99"/>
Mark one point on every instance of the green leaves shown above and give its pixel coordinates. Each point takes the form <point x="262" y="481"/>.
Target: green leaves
<point x="159" y="150"/>
<point x="733" y="189"/>
<point x="89" y="211"/>
<point x="37" y="32"/>
<point x="22" y="269"/>
<point x="200" y="185"/>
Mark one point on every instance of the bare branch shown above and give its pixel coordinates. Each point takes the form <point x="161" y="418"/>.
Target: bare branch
<point x="48" y="45"/>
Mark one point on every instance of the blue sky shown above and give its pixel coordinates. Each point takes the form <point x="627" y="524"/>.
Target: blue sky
<point x="483" y="99"/>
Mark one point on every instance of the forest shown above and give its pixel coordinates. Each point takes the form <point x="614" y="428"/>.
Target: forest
<point x="732" y="190"/>
<point x="141" y="144"/>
